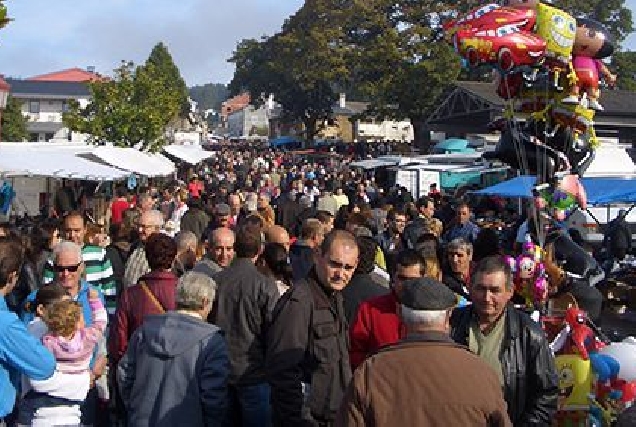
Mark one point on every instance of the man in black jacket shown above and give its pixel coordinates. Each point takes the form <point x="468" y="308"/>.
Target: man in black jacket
<point x="618" y="239"/>
<point x="510" y="342"/>
<point x="307" y="348"/>
<point x="244" y="303"/>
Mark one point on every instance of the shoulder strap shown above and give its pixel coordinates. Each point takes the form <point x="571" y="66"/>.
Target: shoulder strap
<point x="152" y="297"/>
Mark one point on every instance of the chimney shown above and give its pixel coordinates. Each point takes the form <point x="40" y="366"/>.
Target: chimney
<point x="343" y="100"/>
<point x="90" y="69"/>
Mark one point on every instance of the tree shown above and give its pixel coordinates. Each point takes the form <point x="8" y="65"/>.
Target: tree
<point x="162" y="67"/>
<point x="611" y="13"/>
<point x="14" y="124"/>
<point x="399" y="59"/>
<point x="4" y="19"/>
<point x="303" y="65"/>
<point x="625" y="65"/>
<point x="131" y="110"/>
<point x="209" y="96"/>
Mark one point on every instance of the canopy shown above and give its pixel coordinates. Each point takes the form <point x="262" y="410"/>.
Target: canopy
<point x="373" y="163"/>
<point x="600" y="190"/>
<point x="284" y="140"/>
<point x="453" y="145"/>
<point x="192" y="154"/>
<point x="135" y="161"/>
<point x="54" y="161"/>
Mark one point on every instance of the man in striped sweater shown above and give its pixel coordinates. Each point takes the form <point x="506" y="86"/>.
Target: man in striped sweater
<point x="98" y="270"/>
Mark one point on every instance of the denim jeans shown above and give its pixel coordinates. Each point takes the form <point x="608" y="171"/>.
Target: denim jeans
<point x="250" y="405"/>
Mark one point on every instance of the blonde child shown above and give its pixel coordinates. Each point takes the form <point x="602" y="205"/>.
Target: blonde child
<point x="57" y="401"/>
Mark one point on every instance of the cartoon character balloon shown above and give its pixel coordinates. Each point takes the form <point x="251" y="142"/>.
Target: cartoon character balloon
<point x="593" y="43"/>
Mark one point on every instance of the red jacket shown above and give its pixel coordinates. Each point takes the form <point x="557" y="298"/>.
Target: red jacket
<point x="376" y="325"/>
<point x="134" y="305"/>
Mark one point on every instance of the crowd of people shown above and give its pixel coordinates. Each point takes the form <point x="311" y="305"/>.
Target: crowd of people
<point x="269" y="290"/>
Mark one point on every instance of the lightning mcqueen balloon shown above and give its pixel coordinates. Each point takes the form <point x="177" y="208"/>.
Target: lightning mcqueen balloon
<point x="500" y="36"/>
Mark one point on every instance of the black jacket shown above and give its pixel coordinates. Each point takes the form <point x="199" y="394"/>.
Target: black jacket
<point x="307" y="342"/>
<point x="618" y="236"/>
<point x="196" y="221"/>
<point x="456" y="283"/>
<point x="301" y="258"/>
<point x="360" y="288"/>
<point x="531" y="382"/>
<point x="244" y="302"/>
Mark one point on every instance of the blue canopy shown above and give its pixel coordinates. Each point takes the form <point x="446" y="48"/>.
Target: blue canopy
<point x="284" y="140"/>
<point x="600" y="190"/>
<point x="453" y="145"/>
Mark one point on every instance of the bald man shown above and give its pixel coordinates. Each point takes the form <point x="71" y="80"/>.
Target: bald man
<point x="277" y="234"/>
<point x="219" y="252"/>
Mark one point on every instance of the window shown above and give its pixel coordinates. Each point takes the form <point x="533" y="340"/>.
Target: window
<point x="65" y="107"/>
<point x="33" y="137"/>
<point x="48" y="136"/>
<point x="34" y="107"/>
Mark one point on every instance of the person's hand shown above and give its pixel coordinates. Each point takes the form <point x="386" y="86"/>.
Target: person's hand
<point x="93" y="294"/>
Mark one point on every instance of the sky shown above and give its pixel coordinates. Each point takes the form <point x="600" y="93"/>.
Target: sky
<point x="52" y="35"/>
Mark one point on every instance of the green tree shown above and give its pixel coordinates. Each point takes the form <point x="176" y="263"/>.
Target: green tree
<point x="304" y="65"/>
<point x="162" y="67"/>
<point x="209" y="96"/>
<point x="4" y="18"/>
<point x="625" y="65"/>
<point x="398" y="59"/>
<point x="14" y="124"/>
<point x="611" y="13"/>
<point x="131" y="110"/>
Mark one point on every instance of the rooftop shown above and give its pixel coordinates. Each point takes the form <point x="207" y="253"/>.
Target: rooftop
<point x="40" y="89"/>
<point x="76" y="75"/>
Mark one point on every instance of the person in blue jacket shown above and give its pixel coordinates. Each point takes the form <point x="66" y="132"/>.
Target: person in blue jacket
<point x="20" y="353"/>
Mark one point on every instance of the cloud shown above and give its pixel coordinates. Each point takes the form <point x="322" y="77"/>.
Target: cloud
<point x="200" y="34"/>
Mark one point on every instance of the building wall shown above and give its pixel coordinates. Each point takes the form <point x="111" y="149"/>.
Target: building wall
<point x="48" y="111"/>
<point x="242" y="122"/>
<point x="385" y="130"/>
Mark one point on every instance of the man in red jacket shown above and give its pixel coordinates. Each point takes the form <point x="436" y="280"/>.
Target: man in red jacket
<point x="377" y="322"/>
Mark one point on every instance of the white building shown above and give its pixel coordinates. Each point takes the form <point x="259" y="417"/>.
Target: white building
<point x="385" y="130"/>
<point x="44" y="102"/>
<point x="249" y="121"/>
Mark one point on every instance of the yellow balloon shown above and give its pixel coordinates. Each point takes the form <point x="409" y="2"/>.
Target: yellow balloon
<point x="575" y="382"/>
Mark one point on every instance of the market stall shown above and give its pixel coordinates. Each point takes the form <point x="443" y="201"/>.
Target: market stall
<point x="192" y="154"/>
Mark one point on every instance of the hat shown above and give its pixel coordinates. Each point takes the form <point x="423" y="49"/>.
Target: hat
<point x="427" y="294"/>
<point x="222" y="209"/>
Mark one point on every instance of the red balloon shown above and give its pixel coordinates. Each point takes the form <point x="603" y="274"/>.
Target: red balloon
<point x="629" y="392"/>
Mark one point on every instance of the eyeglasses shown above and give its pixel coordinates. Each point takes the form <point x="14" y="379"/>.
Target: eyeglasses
<point x="69" y="268"/>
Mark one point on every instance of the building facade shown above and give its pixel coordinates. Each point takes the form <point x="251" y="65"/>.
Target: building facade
<point x="249" y="122"/>
<point x="44" y="102"/>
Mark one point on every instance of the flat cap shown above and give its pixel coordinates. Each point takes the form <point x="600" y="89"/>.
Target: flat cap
<point x="427" y="294"/>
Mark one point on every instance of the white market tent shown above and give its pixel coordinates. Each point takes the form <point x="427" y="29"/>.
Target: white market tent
<point x="610" y="162"/>
<point x="135" y="161"/>
<point x="192" y="154"/>
<point x="54" y="161"/>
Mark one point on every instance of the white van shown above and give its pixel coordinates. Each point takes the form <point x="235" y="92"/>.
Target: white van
<point x="592" y="222"/>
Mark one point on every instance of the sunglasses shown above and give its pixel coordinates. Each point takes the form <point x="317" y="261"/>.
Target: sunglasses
<point x="69" y="268"/>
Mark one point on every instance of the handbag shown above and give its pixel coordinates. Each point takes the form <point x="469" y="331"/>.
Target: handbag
<point x="152" y="297"/>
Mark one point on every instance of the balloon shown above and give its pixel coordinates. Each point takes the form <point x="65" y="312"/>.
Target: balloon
<point x="573" y="258"/>
<point x="625" y="355"/>
<point x="604" y="366"/>
<point x="629" y="392"/>
<point x="520" y="150"/>
<point x="575" y="380"/>
<point x="593" y="43"/>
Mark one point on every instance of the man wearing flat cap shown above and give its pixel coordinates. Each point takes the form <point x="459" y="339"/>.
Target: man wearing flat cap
<point x="425" y="379"/>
